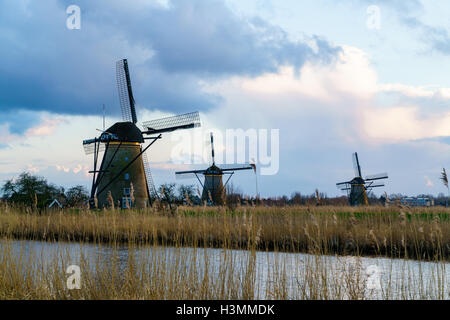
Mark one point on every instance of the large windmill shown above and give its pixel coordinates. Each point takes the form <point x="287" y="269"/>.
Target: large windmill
<point x="213" y="186"/>
<point x="357" y="187"/>
<point x="124" y="173"/>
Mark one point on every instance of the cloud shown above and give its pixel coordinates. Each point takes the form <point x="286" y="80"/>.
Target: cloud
<point x="32" y="169"/>
<point x="327" y="112"/>
<point x="5" y="135"/>
<point x="324" y="113"/>
<point x="172" y="47"/>
<point x="241" y="72"/>
<point x="343" y="101"/>
<point x="400" y="6"/>
<point x="429" y="182"/>
<point x="53" y="146"/>
<point x="20" y="125"/>
<point x="62" y="168"/>
<point x="77" y="169"/>
<point x="46" y="128"/>
<point x="436" y="37"/>
<point x="404" y="123"/>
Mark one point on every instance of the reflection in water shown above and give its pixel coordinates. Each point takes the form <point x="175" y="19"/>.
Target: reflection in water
<point x="268" y="271"/>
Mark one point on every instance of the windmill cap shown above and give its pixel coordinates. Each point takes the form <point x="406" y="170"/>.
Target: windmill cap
<point x="126" y="132"/>
<point x="357" y="180"/>
<point x="215" y="170"/>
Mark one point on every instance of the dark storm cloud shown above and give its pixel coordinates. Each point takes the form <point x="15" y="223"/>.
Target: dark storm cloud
<point x="45" y="66"/>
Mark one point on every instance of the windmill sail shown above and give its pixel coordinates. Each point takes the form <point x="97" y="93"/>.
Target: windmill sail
<point x="343" y="185"/>
<point x="90" y="148"/>
<point x="212" y="149"/>
<point x="237" y="168"/>
<point x="190" y="171"/>
<point x="377" y="177"/>
<point x="169" y="124"/>
<point x="125" y="92"/>
<point x="192" y="174"/>
<point x="376" y="185"/>
<point x="186" y="175"/>
<point x="148" y="174"/>
<point x="356" y="165"/>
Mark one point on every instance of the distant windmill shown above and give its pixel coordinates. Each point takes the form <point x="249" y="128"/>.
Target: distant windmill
<point x="357" y="188"/>
<point x="124" y="165"/>
<point x="213" y="186"/>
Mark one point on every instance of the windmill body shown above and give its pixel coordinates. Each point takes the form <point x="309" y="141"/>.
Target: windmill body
<point x="123" y="175"/>
<point x="214" y="191"/>
<point x="213" y="185"/>
<point x="120" y="153"/>
<point x="358" y="193"/>
<point x="357" y="187"/>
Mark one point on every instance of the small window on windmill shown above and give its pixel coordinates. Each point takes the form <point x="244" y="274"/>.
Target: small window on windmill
<point x="126" y="203"/>
<point x="127" y="176"/>
<point x="126" y="159"/>
<point x="126" y="192"/>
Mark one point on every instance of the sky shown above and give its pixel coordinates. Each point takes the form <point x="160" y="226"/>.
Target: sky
<point x="314" y="80"/>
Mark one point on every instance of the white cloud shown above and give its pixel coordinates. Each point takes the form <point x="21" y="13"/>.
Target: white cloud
<point x="351" y="76"/>
<point x="429" y="182"/>
<point x="404" y="123"/>
<point x="62" y="168"/>
<point x="47" y="126"/>
<point x="407" y="90"/>
<point x="32" y="169"/>
<point x="341" y="99"/>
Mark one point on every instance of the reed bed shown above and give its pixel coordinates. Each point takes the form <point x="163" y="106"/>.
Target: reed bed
<point x="158" y="254"/>
<point x="398" y="232"/>
<point x="137" y="271"/>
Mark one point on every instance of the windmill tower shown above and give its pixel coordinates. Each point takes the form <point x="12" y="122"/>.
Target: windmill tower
<point x="357" y="187"/>
<point x="124" y="172"/>
<point x="213" y="186"/>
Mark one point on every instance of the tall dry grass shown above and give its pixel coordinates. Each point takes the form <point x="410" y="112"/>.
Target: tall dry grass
<point x="144" y="255"/>
<point x="418" y="233"/>
<point x="160" y="272"/>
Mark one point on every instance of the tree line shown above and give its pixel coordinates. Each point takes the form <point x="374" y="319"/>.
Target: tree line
<point x="35" y="191"/>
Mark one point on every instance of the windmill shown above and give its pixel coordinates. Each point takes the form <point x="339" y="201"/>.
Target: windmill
<point x="124" y="171"/>
<point x="213" y="186"/>
<point x="357" y="187"/>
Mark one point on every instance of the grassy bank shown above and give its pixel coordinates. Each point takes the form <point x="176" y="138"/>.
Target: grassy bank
<point x="418" y="233"/>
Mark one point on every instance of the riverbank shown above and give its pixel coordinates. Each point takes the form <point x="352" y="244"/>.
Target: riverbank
<point x="397" y="232"/>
